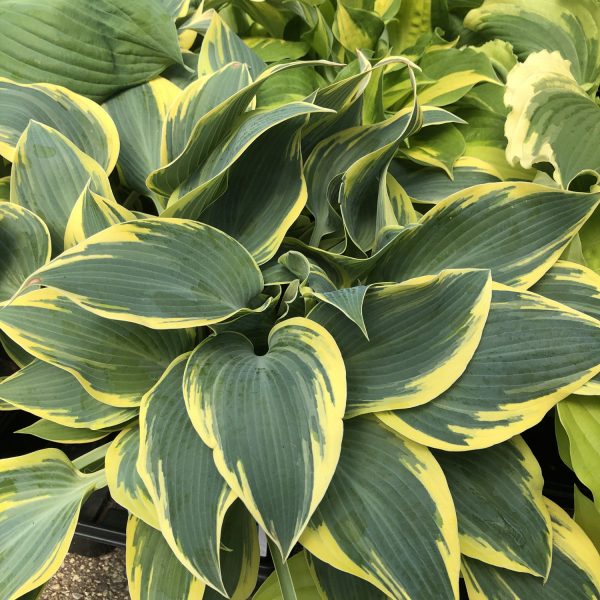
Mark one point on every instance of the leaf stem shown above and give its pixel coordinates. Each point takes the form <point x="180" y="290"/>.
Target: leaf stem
<point x="283" y="573"/>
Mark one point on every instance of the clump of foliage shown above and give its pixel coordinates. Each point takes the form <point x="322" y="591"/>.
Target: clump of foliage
<point x="308" y="266"/>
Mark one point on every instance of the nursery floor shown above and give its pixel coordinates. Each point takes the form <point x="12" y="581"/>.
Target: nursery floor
<point x="85" y="578"/>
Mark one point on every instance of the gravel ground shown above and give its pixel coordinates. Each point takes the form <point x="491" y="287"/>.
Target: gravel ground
<point x="85" y="578"/>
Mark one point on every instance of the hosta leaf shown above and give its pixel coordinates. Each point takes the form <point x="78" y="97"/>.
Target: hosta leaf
<point x="587" y="516"/>
<point x="240" y="554"/>
<point x="580" y="416"/>
<point x="533" y="353"/>
<point x="78" y="118"/>
<point x="337" y="153"/>
<point x="220" y="109"/>
<point x="333" y="583"/>
<point x="573" y="285"/>
<point x="350" y="302"/>
<point x="572" y="28"/>
<point x="574" y="574"/>
<point x="453" y="71"/>
<point x="222" y="46"/>
<point x="517" y="230"/>
<point x="60" y="434"/>
<point x="52" y="393"/>
<point x="439" y="147"/>
<point x="176" y="8"/>
<point x="343" y="96"/>
<point x="162" y="273"/>
<point x="502" y="518"/>
<point x="431" y="185"/>
<point x="422" y="335"/>
<point x="93" y="49"/>
<point x="274" y="50"/>
<point x="271" y="170"/>
<point x="114" y="362"/>
<point x="537" y="90"/>
<point x="139" y="114"/>
<point x="304" y="584"/>
<point x="17" y="354"/>
<point x="361" y="185"/>
<point x="48" y="176"/>
<point x="485" y="145"/>
<point x="388" y="516"/>
<point x="357" y="28"/>
<point x="40" y="497"/>
<point x="415" y="21"/>
<point x="282" y="466"/>
<point x="5" y="188"/>
<point x="190" y="496"/>
<point x="124" y="482"/>
<point x="590" y="242"/>
<point x="153" y="571"/>
<point x="93" y="213"/>
<point x="24" y="245"/>
<point x="221" y="171"/>
<point x="577" y="287"/>
<point x="195" y="103"/>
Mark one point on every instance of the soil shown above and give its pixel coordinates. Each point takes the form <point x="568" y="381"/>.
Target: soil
<point x="89" y="578"/>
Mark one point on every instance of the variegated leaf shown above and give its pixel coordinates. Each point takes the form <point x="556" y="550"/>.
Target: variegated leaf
<point x="24" y="244"/>
<point x="508" y="386"/>
<point x="48" y="176"/>
<point x="190" y="496"/>
<point x="124" y="482"/>
<point x="422" y="335"/>
<point x="153" y="571"/>
<point x="367" y="525"/>
<point x="78" y="118"/>
<point x="54" y="394"/>
<point x="574" y="575"/>
<point x="517" y="230"/>
<point x="114" y="362"/>
<point x="282" y="465"/>
<point x="502" y="518"/>
<point x="40" y="497"/>
<point x="537" y="90"/>
<point x="161" y="273"/>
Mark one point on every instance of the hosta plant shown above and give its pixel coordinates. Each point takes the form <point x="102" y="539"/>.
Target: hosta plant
<point x="303" y="272"/>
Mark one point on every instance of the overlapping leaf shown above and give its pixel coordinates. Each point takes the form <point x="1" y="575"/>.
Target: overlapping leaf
<point x="533" y="353"/>
<point x="300" y="383"/>
<point x="161" y="273"/>
<point x="114" y="362"/>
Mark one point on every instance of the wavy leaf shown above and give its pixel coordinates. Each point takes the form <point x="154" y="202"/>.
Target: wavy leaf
<point x="48" y="176"/>
<point x="536" y="91"/>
